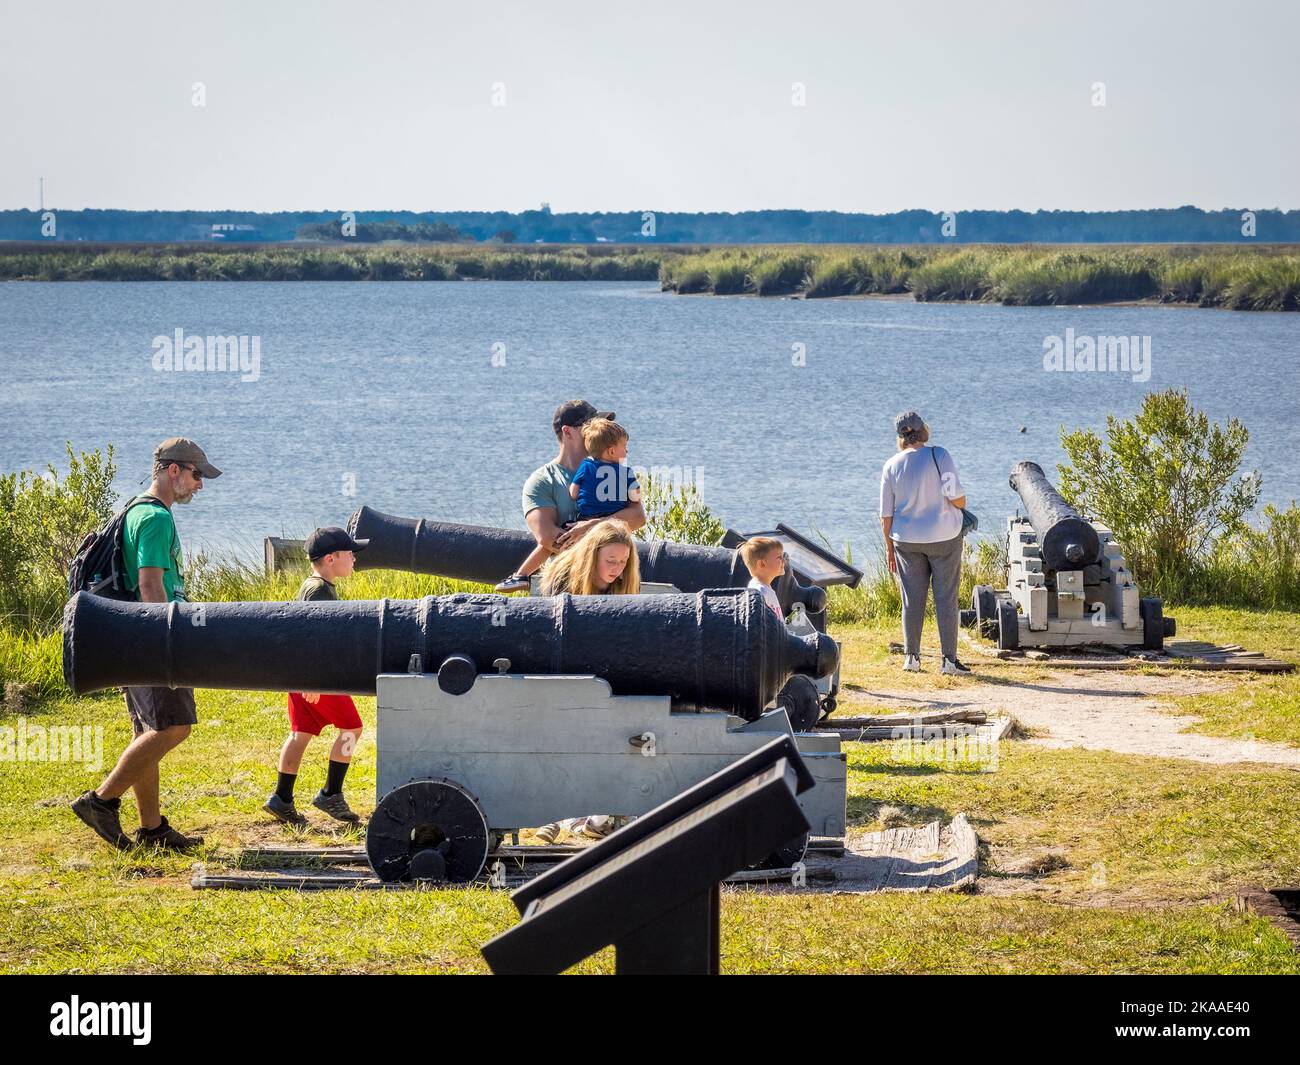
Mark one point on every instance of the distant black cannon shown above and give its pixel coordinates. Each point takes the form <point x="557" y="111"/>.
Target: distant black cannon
<point x="485" y="554"/>
<point x="1066" y="539"/>
<point x="1067" y="581"/>
<point x="719" y="649"/>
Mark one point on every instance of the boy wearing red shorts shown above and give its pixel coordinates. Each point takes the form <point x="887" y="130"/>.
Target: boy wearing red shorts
<point x="332" y="555"/>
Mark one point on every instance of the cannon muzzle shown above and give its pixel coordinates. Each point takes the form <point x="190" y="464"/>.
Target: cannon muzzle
<point x="484" y="554"/>
<point x="720" y="649"/>
<point x="1067" y="539"/>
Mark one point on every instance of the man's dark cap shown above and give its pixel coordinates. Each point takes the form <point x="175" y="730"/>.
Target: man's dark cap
<point x="577" y="412"/>
<point x="326" y="541"/>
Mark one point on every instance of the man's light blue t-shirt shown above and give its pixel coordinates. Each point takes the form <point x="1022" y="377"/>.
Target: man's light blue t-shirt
<point x="915" y="494"/>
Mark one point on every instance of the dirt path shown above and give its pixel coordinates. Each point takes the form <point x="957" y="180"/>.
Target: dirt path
<point x="1088" y="708"/>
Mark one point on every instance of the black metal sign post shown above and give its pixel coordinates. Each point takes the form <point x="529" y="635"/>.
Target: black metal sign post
<point x="652" y="889"/>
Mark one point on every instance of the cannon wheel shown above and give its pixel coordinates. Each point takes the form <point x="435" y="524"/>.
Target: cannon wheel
<point x="1008" y="626"/>
<point x="1152" y="613"/>
<point x="985" y="602"/>
<point x="800" y="700"/>
<point x="431" y="830"/>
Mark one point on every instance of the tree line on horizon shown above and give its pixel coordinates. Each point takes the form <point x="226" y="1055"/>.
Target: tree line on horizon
<point x="1186" y="225"/>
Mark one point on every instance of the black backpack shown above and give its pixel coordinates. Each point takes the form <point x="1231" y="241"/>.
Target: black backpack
<point x="99" y="566"/>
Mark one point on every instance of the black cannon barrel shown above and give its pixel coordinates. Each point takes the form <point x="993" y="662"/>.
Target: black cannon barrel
<point x="1067" y="539"/>
<point x="485" y="554"/>
<point x="720" y="649"/>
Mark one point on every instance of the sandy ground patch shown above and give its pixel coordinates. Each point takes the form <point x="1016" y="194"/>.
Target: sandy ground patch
<point x="1087" y="708"/>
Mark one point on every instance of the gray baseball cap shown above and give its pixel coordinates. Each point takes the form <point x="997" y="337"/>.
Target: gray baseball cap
<point x="908" y="422"/>
<point x="183" y="449"/>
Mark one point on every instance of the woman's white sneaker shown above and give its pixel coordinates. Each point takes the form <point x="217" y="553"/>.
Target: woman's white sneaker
<point x="954" y="668"/>
<point x="911" y="663"/>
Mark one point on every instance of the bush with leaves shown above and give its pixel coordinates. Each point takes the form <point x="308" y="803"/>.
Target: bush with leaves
<point x="42" y="523"/>
<point x="675" y="511"/>
<point x="1166" y="482"/>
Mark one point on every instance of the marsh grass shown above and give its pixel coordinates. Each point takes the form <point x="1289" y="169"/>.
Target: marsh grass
<point x="1263" y="278"/>
<point x="1257" y="277"/>
<point x="836" y="275"/>
<point x="778" y="275"/>
<point x="960" y="275"/>
<point x="441" y="262"/>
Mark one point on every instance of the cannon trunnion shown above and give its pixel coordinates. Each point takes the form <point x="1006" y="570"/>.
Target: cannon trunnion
<point x="1067" y="581"/>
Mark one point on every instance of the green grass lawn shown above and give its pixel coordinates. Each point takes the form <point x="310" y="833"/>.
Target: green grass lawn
<point x="1092" y="861"/>
<point x="1262" y="706"/>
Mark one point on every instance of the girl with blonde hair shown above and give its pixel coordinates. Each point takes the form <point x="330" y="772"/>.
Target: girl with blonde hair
<point x="603" y="562"/>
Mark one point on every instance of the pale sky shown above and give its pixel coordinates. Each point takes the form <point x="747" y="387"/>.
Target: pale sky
<point x="669" y="106"/>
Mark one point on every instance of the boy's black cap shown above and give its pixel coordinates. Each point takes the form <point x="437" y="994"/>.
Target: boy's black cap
<point x="577" y="412"/>
<point x="326" y="541"/>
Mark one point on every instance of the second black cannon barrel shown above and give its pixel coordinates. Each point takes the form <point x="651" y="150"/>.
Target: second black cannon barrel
<point x="485" y="554"/>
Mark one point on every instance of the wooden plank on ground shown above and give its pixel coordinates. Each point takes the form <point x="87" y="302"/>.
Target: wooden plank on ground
<point x="927" y="857"/>
<point x="930" y="717"/>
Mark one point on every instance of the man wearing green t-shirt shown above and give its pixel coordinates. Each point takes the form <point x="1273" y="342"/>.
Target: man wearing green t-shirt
<point x="160" y="717"/>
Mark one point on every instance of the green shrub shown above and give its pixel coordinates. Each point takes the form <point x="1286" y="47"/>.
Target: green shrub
<point x="42" y="523"/>
<point x="675" y="512"/>
<point x="1166" y="482"/>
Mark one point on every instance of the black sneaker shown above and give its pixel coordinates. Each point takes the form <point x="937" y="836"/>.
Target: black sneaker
<point x="516" y="582"/>
<point x="336" y="806"/>
<point x="104" y="819"/>
<point x="167" y="838"/>
<point x="284" y="811"/>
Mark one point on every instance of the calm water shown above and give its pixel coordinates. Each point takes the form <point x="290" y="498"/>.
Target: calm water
<point x="389" y="390"/>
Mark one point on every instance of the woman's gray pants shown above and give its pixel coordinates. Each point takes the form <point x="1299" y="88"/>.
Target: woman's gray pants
<point x="919" y="566"/>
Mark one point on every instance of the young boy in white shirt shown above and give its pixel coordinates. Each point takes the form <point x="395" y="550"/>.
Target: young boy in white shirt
<point x="764" y="557"/>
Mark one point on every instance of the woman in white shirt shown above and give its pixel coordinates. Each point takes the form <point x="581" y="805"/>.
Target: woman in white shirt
<point x="921" y="498"/>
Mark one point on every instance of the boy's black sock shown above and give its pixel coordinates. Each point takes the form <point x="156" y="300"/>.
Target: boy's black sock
<point x="334" y="779"/>
<point x="284" y="788"/>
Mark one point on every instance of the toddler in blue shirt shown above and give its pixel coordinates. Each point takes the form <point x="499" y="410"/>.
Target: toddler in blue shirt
<point x="603" y="484"/>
